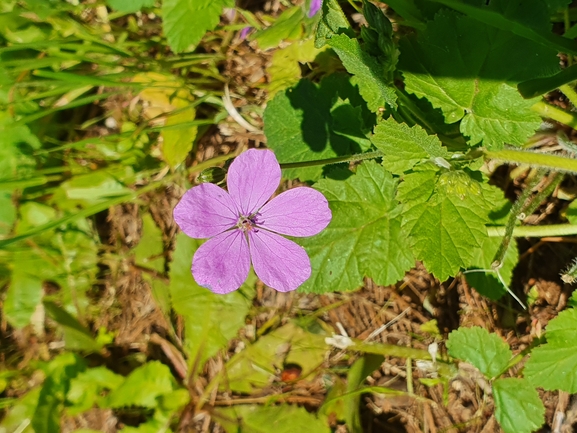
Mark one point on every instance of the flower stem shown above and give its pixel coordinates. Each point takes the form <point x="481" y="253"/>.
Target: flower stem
<point x="551" y="230"/>
<point x="534" y="159"/>
<point x="337" y="160"/>
<point x="555" y="113"/>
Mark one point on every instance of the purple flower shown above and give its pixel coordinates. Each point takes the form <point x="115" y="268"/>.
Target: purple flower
<point x="243" y="227"/>
<point x="314" y="8"/>
<point x="244" y="32"/>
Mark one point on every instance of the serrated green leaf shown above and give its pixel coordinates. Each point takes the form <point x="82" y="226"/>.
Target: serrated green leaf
<point x="364" y="237"/>
<point x="369" y="73"/>
<point x="404" y="147"/>
<point x="265" y="419"/>
<point x="467" y="69"/>
<point x="444" y="216"/>
<point x="518" y="408"/>
<point x="203" y="311"/>
<point x="143" y="386"/>
<point x="488" y="352"/>
<point x="129" y="5"/>
<point x="554" y="364"/>
<point x="333" y="22"/>
<point x="300" y="127"/>
<point x="186" y="21"/>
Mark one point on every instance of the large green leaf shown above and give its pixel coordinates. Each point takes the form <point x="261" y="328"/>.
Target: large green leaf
<point x="554" y="365"/>
<point x="305" y="123"/>
<point x="186" y="21"/>
<point x="266" y="419"/>
<point x="518" y="407"/>
<point x="468" y="70"/>
<point x="445" y="216"/>
<point x="488" y="352"/>
<point x="364" y="237"/>
<point x="211" y="320"/>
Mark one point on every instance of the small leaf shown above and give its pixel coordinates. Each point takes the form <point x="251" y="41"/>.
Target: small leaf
<point x="23" y="296"/>
<point x="288" y="26"/>
<point x="553" y="365"/>
<point x="186" y="21"/>
<point x="86" y="388"/>
<point x="143" y="386"/>
<point x="333" y="22"/>
<point x="518" y="407"/>
<point x="404" y="146"/>
<point x="488" y="352"/>
<point x="364" y="237"/>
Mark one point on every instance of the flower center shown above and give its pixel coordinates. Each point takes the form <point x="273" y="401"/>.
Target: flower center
<point x="248" y="223"/>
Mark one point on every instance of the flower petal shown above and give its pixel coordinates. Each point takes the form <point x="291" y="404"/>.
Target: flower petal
<point x="205" y="211"/>
<point x="252" y="178"/>
<point x="296" y="212"/>
<point x="278" y="262"/>
<point x="222" y="263"/>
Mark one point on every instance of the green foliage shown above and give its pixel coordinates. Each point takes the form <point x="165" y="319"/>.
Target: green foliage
<point x="130" y="5"/>
<point x="518" y="407"/>
<point x="364" y="237"/>
<point x="467" y="69"/>
<point x="554" y="365"/>
<point x="488" y="352"/>
<point x="186" y="21"/>
<point x="304" y="123"/>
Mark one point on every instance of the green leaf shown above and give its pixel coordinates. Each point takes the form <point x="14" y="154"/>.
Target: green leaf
<point x="369" y="73"/>
<point x="143" y="386"/>
<point x="487" y="283"/>
<point x="528" y="20"/>
<point x="265" y="419"/>
<point x="404" y="147"/>
<point x="488" y="352"/>
<point x="76" y="336"/>
<point x="540" y="86"/>
<point x="553" y="365"/>
<point x="177" y="142"/>
<point x="468" y="70"/>
<point x="59" y="372"/>
<point x="288" y="26"/>
<point x="130" y="5"/>
<point x="186" y="21"/>
<point x="203" y="311"/>
<point x="518" y="407"/>
<point x="301" y="124"/>
<point x="364" y="237"/>
<point x="22" y="298"/>
<point x="444" y="216"/>
<point x="333" y="22"/>
<point x="7" y="213"/>
<point x="86" y="389"/>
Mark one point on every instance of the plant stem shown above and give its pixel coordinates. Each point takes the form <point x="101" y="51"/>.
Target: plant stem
<point x="538" y="160"/>
<point x="569" y="92"/>
<point x="551" y="230"/>
<point x="337" y="160"/>
<point x="555" y="113"/>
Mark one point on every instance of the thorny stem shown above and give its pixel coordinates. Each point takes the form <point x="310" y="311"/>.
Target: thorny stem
<point x="337" y="160"/>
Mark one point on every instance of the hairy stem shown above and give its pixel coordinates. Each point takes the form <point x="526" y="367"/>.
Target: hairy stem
<point x="337" y="160"/>
<point x="555" y="113"/>
<point x="552" y="230"/>
<point x="534" y="159"/>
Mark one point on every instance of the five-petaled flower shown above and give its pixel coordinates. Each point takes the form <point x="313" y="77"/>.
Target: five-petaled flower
<point x="244" y="226"/>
